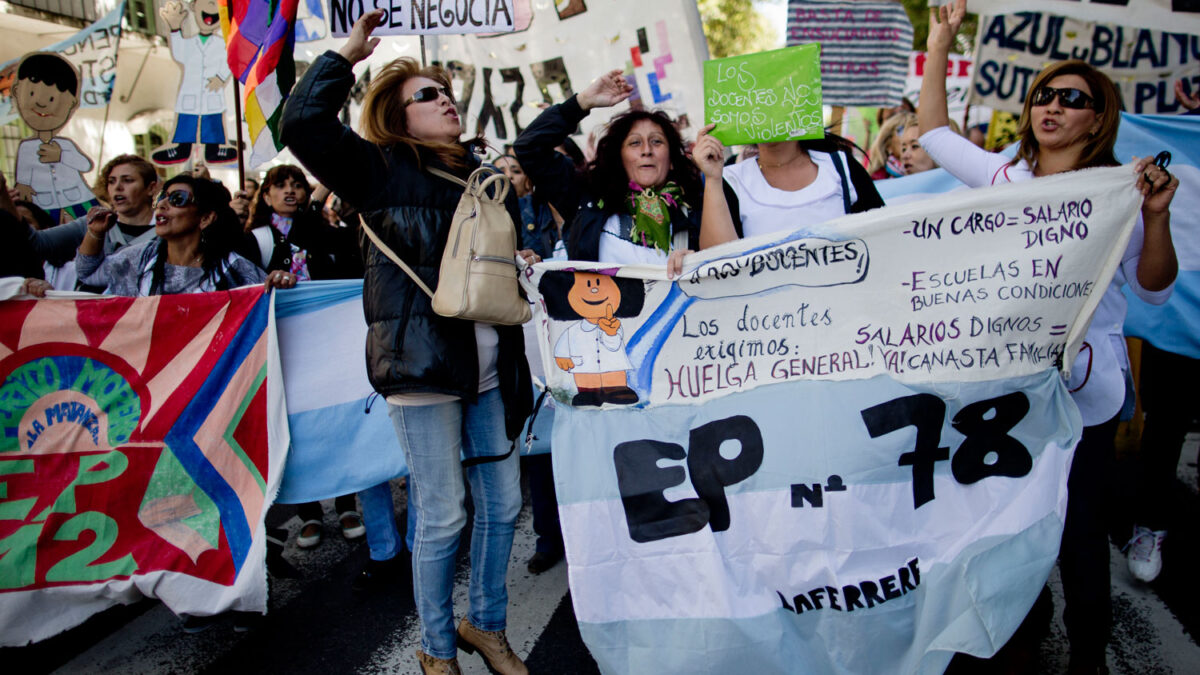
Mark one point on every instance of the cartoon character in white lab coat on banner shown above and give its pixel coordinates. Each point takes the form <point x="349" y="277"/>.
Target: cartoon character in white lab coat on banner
<point x="593" y="349"/>
<point x="200" y="105"/>
<point x="50" y="168"/>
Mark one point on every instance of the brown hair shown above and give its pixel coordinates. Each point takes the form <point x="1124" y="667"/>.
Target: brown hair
<point x="383" y="121"/>
<point x="1099" y="148"/>
<point x="145" y="170"/>
<point x="260" y="211"/>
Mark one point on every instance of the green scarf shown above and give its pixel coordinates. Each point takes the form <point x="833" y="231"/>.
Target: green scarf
<point x="651" y="219"/>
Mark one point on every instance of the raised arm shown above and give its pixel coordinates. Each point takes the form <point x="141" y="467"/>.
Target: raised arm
<point x="716" y="222"/>
<point x="552" y="172"/>
<point x="944" y="23"/>
<point x="339" y="158"/>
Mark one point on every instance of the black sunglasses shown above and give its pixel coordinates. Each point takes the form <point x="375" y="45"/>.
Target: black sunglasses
<point x="430" y="93"/>
<point x="178" y="198"/>
<point x="1068" y="97"/>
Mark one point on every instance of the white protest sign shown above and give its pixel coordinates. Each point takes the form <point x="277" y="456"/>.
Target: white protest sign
<point x="1143" y="63"/>
<point x="429" y="17"/>
<point x="849" y="435"/>
<point x="959" y="70"/>
<point x="1182" y="16"/>
<point x="502" y="83"/>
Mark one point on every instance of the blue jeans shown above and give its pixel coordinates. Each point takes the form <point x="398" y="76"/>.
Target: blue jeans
<point x="434" y="439"/>
<point x="379" y="517"/>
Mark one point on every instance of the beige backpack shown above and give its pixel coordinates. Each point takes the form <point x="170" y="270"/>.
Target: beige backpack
<point x="477" y="280"/>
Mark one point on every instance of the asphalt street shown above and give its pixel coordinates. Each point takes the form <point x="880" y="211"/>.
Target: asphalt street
<point x="318" y="624"/>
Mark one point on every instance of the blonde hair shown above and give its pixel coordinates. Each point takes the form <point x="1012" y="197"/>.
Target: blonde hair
<point x="889" y="129"/>
<point x="383" y="120"/>
<point x="1099" y="148"/>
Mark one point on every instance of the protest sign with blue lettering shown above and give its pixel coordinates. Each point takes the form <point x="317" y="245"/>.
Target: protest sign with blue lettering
<point x="1143" y="63"/>
<point x="1171" y="15"/>
<point x="840" y="449"/>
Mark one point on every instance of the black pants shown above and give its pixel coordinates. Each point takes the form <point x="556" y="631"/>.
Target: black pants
<point x="312" y="510"/>
<point x="1171" y="399"/>
<point x="1083" y="558"/>
<point x="544" y="504"/>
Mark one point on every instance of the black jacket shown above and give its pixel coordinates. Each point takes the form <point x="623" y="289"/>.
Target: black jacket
<point x="410" y="349"/>
<point x="332" y="252"/>
<point x="554" y="176"/>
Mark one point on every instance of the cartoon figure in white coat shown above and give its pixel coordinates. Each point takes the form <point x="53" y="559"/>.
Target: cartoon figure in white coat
<point x="593" y="349"/>
<point x="200" y="104"/>
<point x="50" y="168"/>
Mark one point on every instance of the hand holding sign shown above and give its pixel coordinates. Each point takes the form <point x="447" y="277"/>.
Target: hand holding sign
<point x="609" y="324"/>
<point x="360" y="44"/>
<point x="709" y="154"/>
<point x="604" y="91"/>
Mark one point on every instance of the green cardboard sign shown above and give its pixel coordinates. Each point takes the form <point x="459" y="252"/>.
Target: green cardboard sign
<point x="765" y="97"/>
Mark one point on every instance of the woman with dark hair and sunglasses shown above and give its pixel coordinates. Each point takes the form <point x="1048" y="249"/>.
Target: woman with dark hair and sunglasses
<point x="194" y="252"/>
<point x="457" y="391"/>
<point x="638" y="201"/>
<point x="1070" y="122"/>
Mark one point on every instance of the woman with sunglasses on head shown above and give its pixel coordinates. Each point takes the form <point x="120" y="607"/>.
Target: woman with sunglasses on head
<point x="1070" y="122"/>
<point x="454" y="388"/>
<point x="193" y="252"/>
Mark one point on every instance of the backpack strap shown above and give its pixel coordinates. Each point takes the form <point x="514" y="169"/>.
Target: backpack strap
<point x="836" y="155"/>
<point x="392" y="255"/>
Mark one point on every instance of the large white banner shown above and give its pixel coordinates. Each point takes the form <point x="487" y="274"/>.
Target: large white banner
<point x="851" y="435"/>
<point x="1012" y="49"/>
<point x="503" y="82"/>
<point x="1181" y="16"/>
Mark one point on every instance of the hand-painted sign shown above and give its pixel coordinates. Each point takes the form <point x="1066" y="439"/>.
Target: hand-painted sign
<point x="864" y="48"/>
<point x="1181" y="16"/>
<point x="93" y="52"/>
<point x="770" y="96"/>
<point x="429" y="17"/>
<point x="845" y="435"/>
<point x="1143" y="63"/>
<point x="135" y="456"/>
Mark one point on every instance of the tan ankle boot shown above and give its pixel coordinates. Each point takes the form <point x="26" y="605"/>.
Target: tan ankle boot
<point x="431" y="665"/>
<point x="492" y="646"/>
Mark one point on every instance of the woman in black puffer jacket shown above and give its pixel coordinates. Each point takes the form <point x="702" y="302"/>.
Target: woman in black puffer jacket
<point x="452" y="386"/>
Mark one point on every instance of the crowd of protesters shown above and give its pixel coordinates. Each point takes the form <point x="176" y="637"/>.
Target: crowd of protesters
<point x="641" y="195"/>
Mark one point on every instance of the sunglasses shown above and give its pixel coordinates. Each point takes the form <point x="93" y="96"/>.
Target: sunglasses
<point x="178" y="198"/>
<point x="1068" y="97"/>
<point x="430" y="93"/>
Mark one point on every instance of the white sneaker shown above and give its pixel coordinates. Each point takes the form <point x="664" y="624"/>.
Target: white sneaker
<point x="1145" y="553"/>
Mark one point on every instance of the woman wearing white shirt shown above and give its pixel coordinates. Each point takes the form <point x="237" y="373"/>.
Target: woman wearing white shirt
<point x="1070" y="122"/>
<point x="789" y="185"/>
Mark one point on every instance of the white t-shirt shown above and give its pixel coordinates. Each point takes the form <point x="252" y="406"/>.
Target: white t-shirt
<point x="767" y="209"/>
<point x="1098" y="375"/>
<point x="487" y="346"/>
<point x="614" y="249"/>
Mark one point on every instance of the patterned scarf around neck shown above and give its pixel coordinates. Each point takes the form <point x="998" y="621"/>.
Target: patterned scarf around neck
<point x="651" y="220"/>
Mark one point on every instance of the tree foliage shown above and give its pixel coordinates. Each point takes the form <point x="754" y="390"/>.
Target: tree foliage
<point x="735" y="27"/>
<point x="918" y="14"/>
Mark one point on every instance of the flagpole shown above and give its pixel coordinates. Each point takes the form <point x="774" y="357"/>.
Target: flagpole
<point x="241" y="148"/>
<point x="104" y="131"/>
<point x="423" y="64"/>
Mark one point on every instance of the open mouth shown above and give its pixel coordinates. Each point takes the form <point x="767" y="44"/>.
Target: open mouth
<point x="209" y="19"/>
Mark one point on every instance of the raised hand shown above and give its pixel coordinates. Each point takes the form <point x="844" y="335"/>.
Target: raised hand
<point x="709" y="154"/>
<point x="604" y="91"/>
<point x="944" y="23"/>
<point x="173" y="13"/>
<point x="360" y="44"/>
<point x="609" y="324"/>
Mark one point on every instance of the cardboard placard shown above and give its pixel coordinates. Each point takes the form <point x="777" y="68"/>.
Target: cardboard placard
<point x="765" y="97"/>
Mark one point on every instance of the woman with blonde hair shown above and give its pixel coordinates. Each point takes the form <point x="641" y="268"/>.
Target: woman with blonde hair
<point x="455" y="389"/>
<point x="1070" y="122"/>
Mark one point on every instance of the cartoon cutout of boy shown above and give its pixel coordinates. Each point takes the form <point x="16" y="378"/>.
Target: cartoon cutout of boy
<point x="200" y="104"/>
<point x="593" y="349"/>
<point x="50" y="168"/>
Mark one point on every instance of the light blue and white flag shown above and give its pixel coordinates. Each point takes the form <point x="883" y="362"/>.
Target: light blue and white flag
<point x="840" y="450"/>
<point x="342" y="438"/>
